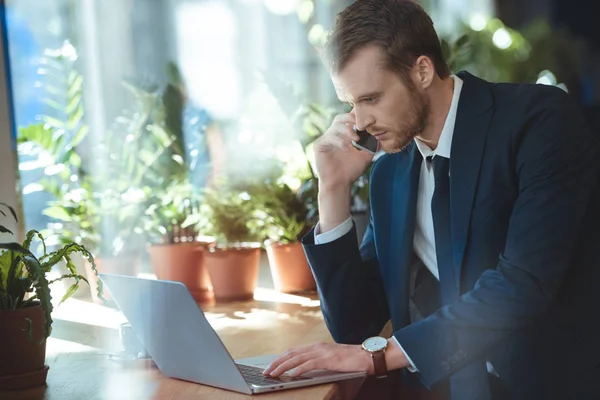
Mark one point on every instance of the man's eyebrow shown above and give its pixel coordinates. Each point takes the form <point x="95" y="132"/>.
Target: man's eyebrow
<point x="368" y="95"/>
<point x="362" y="97"/>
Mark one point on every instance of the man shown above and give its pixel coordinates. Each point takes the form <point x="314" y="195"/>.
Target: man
<point x="483" y="243"/>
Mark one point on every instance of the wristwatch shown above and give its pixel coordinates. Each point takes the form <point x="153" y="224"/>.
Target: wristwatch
<point x="376" y="345"/>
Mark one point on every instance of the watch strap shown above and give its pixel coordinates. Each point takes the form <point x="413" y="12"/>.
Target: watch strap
<point x="379" y="364"/>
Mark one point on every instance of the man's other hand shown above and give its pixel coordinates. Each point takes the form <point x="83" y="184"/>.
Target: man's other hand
<point x="322" y="356"/>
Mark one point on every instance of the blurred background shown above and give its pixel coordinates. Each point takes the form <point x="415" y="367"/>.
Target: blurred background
<point x="143" y="127"/>
<point x="172" y="140"/>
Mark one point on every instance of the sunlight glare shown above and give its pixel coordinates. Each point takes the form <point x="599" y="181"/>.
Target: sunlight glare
<point x="271" y="295"/>
<point x="84" y="312"/>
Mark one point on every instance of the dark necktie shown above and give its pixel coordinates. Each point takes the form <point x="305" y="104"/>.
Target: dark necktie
<point x="472" y="380"/>
<point x="440" y="208"/>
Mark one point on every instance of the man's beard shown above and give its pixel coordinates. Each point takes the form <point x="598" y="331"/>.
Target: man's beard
<point x="419" y="116"/>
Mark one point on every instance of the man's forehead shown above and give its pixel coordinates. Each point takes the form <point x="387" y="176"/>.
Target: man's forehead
<point x="361" y="74"/>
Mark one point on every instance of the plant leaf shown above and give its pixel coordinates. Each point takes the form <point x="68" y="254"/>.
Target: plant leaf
<point x="6" y="260"/>
<point x="75" y="160"/>
<point x="54" y="104"/>
<point x="70" y="266"/>
<point x="28" y="302"/>
<point x="65" y="253"/>
<point x="20" y="287"/>
<point x="29" y="238"/>
<point x="53" y="122"/>
<point x="38" y="276"/>
<point x="11" y="287"/>
<point x="57" y="212"/>
<point x="74" y="103"/>
<point x="76" y="86"/>
<point x="81" y="134"/>
<point x="70" y="291"/>
<point x="75" y="118"/>
<point x="15" y="247"/>
<point x="68" y="276"/>
<point x="12" y="211"/>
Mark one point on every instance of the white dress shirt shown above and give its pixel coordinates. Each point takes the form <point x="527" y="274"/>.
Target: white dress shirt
<point x="424" y="238"/>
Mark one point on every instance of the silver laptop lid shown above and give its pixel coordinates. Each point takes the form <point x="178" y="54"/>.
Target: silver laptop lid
<point x="175" y="332"/>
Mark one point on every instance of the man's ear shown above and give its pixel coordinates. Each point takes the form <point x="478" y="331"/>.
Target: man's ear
<point x="424" y="72"/>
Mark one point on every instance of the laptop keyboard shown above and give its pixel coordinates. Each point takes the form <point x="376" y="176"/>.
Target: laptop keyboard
<point x="255" y="376"/>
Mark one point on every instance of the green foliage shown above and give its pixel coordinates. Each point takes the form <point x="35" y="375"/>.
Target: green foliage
<point x="73" y="205"/>
<point x="231" y="215"/>
<point x="57" y="140"/>
<point x="170" y="209"/>
<point x="536" y="48"/>
<point x="284" y="213"/>
<point x="22" y="274"/>
<point x="173" y="197"/>
<point x="65" y="118"/>
<point x="139" y="150"/>
<point x="142" y="153"/>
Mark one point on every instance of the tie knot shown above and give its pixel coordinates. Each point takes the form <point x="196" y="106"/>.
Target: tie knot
<point x="441" y="167"/>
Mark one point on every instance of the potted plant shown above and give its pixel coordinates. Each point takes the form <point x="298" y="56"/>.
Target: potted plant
<point x="286" y="223"/>
<point x="127" y="177"/>
<point x="231" y="218"/>
<point x="97" y="205"/>
<point x="176" y="249"/>
<point x="56" y="143"/>
<point x="26" y="307"/>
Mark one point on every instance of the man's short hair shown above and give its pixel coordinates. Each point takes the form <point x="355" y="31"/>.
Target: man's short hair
<point x="401" y="29"/>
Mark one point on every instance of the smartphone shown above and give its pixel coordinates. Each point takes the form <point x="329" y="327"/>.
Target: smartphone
<point x="366" y="141"/>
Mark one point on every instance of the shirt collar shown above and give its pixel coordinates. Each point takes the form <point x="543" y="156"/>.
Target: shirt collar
<point x="445" y="141"/>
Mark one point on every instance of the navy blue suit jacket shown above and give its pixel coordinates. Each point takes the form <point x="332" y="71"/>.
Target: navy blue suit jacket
<point x="526" y="250"/>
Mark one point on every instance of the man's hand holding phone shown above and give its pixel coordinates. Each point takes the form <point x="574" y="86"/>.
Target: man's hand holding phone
<point x="338" y="165"/>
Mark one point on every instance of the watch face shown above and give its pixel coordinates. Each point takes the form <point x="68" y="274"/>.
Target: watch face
<point x="375" y="344"/>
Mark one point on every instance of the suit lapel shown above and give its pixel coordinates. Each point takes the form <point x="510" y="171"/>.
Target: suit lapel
<point x="475" y="110"/>
<point x="402" y="227"/>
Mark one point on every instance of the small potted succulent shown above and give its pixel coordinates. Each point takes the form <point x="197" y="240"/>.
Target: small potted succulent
<point x="231" y="218"/>
<point x="285" y="215"/>
<point x="26" y="307"/>
<point x="177" y="250"/>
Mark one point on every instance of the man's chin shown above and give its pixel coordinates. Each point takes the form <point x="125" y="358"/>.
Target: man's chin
<point x="396" y="146"/>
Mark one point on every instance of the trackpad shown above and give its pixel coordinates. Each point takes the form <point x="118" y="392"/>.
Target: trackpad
<point x="260" y="361"/>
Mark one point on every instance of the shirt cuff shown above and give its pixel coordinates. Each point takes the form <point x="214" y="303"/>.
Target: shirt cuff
<point x="334" y="234"/>
<point x="412" y="367"/>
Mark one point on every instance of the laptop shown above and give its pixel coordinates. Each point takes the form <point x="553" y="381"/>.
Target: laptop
<point x="183" y="345"/>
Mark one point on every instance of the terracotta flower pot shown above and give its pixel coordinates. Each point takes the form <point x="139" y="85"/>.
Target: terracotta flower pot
<point x="233" y="272"/>
<point x="22" y="361"/>
<point x="182" y="262"/>
<point x="289" y="268"/>
<point x="128" y="264"/>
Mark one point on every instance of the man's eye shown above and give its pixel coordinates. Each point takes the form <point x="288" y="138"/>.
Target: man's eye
<point x="369" y="99"/>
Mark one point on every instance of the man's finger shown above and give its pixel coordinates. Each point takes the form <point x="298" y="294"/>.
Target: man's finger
<point x="344" y="118"/>
<point x="283" y="358"/>
<point x="310" y="365"/>
<point x="347" y="133"/>
<point x="292" y="363"/>
<point x="276" y="363"/>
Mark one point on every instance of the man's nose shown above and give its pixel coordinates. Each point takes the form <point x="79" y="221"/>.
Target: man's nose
<point x="363" y="120"/>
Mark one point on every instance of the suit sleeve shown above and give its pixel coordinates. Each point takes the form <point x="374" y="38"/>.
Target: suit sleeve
<point x="350" y="286"/>
<point x="335" y="233"/>
<point x="557" y="168"/>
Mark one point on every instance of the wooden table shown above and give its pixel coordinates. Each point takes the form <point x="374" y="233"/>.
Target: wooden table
<point x="85" y="333"/>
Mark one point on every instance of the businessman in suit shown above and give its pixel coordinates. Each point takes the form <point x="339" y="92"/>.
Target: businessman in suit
<point x="484" y="241"/>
